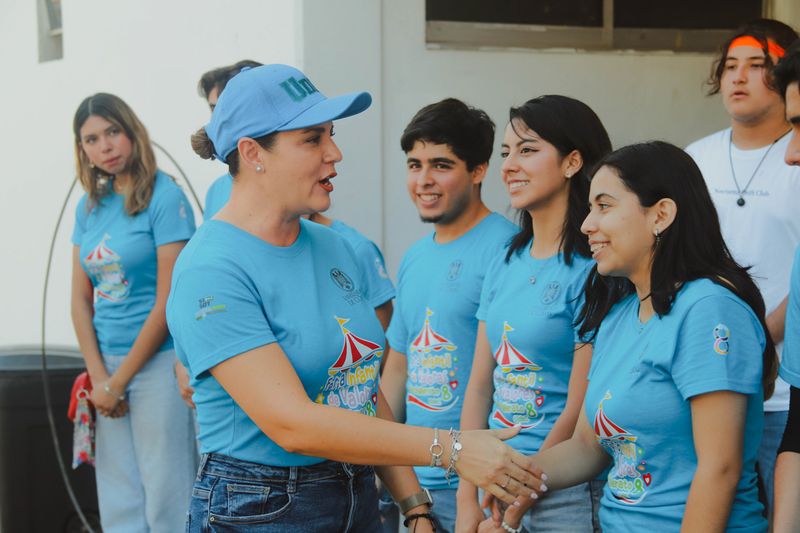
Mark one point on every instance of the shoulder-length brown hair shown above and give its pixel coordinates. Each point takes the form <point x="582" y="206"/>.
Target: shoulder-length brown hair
<point x="142" y="164"/>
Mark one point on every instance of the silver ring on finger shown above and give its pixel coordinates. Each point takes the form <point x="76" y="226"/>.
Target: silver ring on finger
<point x="508" y="480"/>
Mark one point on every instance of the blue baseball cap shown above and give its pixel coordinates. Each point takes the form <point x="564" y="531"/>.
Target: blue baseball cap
<point x="262" y="100"/>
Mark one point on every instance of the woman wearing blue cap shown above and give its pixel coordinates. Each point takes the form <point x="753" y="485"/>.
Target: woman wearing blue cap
<point x="268" y="315"/>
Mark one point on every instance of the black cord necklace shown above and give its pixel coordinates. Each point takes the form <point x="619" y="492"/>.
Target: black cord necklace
<point x="741" y="192"/>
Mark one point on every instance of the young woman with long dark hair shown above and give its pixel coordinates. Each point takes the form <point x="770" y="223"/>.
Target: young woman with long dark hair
<point x="681" y="358"/>
<point x="530" y="367"/>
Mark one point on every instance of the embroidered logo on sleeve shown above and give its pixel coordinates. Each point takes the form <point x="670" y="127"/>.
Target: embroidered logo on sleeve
<point x="206" y="308"/>
<point x="381" y="268"/>
<point x="721" y="336"/>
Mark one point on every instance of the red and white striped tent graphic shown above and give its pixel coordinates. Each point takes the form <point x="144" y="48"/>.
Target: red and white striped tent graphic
<point x="355" y="350"/>
<point x="101" y="254"/>
<point x="606" y="429"/>
<point x="428" y="340"/>
<point x="509" y="358"/>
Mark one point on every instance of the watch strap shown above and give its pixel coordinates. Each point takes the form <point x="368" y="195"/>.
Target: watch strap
<point x="423" y="497"/>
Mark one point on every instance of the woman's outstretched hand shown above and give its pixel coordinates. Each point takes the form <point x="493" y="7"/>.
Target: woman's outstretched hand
<point x="486" y="461"/>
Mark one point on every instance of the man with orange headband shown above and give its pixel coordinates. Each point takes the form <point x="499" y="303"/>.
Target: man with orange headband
<point x="754" y="192"/>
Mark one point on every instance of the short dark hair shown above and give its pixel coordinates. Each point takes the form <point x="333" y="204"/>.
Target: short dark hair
<point x="218" y="78"/>
<point x="787" y="71"/>
<point x="761" y="29"/>
<point x="568" y="124"/>
<point x="468" y="131"/>
<point x="691" y="248"/>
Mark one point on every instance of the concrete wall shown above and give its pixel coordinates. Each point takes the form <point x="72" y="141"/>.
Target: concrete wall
<point x="637" y="95"/>
<point x="154" y="62"/>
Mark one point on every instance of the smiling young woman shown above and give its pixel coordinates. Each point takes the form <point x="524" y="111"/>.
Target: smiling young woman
<point x="530" y="366"/>
<point x="681" y="358"/>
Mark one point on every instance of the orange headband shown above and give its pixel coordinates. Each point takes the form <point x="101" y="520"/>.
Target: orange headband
<point x="748" y="40"/>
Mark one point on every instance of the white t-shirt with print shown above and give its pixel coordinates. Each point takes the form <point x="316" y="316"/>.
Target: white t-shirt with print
<point x="766" y="230"/>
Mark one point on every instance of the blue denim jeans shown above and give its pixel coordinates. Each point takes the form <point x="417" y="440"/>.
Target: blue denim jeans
<point x="233" y="495"/>
<point x="147" y="459"/>
<point x="444" y="509"/>
<point x="572" y="510"/>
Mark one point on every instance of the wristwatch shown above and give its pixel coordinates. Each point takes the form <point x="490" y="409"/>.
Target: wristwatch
<point x="415" y="499"/>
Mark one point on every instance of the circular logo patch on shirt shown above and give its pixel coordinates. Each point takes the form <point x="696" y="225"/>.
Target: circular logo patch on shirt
<point x="721" y="335"/>
<point x="551" y="292"/>
<point x="455" y="270"/>
<point x="342" y="280"/>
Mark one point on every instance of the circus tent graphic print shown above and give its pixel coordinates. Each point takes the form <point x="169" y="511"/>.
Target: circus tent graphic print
<point x="353" y="378"/>
<point x="105" y="268"/>
<point x="432" y="372"/>
<point x="628" y="478"/>
<point x="518" y="393"/>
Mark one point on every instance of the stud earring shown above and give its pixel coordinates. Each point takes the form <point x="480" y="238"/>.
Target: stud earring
<point x="568" y="175"/>
<point x="91" y="165"/>
<point x="259" y="168"/>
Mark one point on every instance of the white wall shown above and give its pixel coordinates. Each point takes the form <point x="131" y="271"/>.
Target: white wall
<point x="152" y="53"/>
<point x="149" y="52"/>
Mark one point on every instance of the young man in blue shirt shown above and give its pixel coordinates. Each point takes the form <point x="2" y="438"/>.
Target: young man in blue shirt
<point x="787" y="468"/>
<point x="432" y="334"/>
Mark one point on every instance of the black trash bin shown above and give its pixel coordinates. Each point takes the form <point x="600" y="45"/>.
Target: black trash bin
<point x="32" y="493"/>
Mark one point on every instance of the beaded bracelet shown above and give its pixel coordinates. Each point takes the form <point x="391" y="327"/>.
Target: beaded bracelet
<point x="455" y="440"/>
<point x="410" y="518"/>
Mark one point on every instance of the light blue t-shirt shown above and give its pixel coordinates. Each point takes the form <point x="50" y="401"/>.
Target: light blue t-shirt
<point x="530" y="307"/>
<point x="434" y="324"/>
<point x="378" y="288"/>
<point x="309" y="300"/>
<point x="118" y="253"/>
<point x="641" y="379"/>
<point x="217" y="195"/>
<point x="790" y="362"/>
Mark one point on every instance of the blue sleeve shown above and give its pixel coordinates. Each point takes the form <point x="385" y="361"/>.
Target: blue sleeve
<point x="171" y="215"/>
<point x="80" y="221"/>
<point x="790" y="363"/>
<point x="720" y="347"/>
<point x="397" y="333"/>
<point x="379" y="288"/>
<point x="214" y="315"/>
<point x="488" y="289"/>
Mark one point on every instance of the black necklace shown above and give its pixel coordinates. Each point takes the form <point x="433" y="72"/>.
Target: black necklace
<point x="741" y="192"/>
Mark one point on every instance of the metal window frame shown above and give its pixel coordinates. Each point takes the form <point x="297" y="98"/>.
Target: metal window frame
<point x="447" y="34"/>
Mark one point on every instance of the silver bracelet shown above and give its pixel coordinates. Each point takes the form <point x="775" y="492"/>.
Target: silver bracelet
<point x="107" y="388"/>
<point x="436" y="449"/>
<point x="511" y="529"/>
<point x="455" y="447"/>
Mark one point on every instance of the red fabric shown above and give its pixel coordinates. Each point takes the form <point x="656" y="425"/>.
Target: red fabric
<point x="82" y="384"/>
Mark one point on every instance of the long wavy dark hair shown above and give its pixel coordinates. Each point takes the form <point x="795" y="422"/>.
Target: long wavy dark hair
<point x="691" y="248"/>
<point x="568" y="125"/>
